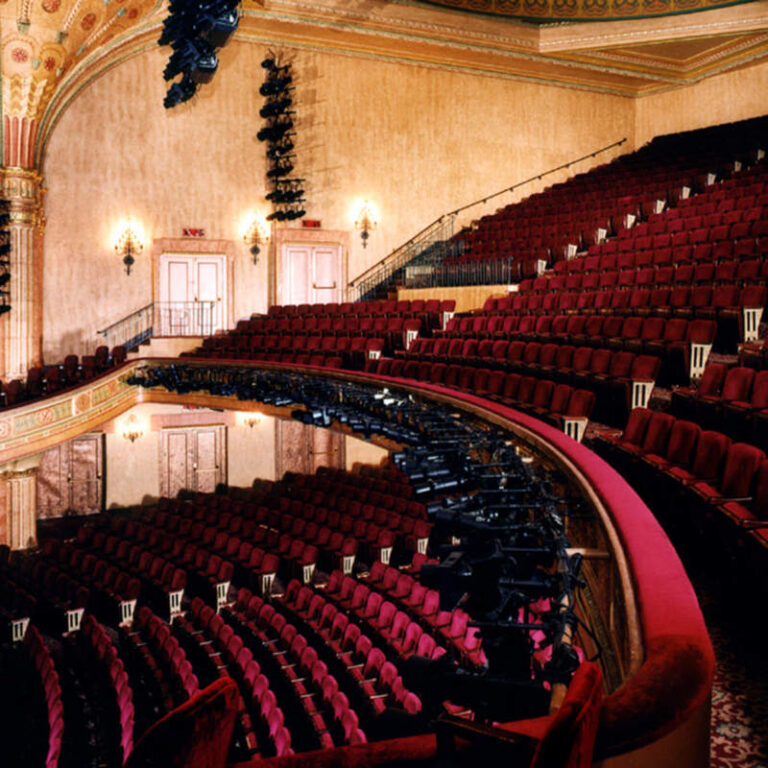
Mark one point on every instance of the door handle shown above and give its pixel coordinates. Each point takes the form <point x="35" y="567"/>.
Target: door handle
<point x="317" y="287"/>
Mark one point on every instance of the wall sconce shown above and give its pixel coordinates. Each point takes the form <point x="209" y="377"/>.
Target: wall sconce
<point x="128" y="246"/>
<point x="256" y="234"/>
<point x="250" y="418"/>
<point x="132" y="429"/>
<point x="366" y="223"/>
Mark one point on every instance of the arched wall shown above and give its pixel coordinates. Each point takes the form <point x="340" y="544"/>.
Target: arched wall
<point x="414" y="140"/>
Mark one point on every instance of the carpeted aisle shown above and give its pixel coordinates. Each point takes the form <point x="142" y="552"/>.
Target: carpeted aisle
<point x="740" y="693"/>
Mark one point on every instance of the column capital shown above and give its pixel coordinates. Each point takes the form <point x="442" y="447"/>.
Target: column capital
<point x="24" y="190"/>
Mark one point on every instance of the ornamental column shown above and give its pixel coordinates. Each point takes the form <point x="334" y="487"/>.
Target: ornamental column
<point x="21" y="329"/>
<point x="18" y="503"/>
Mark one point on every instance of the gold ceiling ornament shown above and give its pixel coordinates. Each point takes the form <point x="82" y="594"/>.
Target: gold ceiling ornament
<point x="41" y="42"/>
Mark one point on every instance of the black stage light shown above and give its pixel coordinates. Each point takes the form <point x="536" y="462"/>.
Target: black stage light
<point x="276" y="85"/>
<point x="222" y="29"/>
<point x="276" y="107"/>
<point x="282" y="167"/>
<point x="282" y="148"/>
<point x="205" y="69"/>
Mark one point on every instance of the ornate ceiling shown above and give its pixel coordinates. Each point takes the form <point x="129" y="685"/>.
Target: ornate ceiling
<point x="543" y="11"/>
<point x="42" y="40"/>
<point x="53" y="48"/>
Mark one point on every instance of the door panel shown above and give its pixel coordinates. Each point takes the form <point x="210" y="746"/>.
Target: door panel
<point x="209" y="288"/>
<point x="310" y="274"/>
<point x="52" y="486"/>
<point x="176" y="463"/>
<point x="326" y="274"/>
<point x="184" y="281"/>
<point x="207" y="460"/>
<point x="193" y="458"/>
<point x="303" y="448"/>
<point x="85" y="470"/>
<point x="296" y="287"/>
<point x="327" y="449"/>
<point x="70" y="478"/>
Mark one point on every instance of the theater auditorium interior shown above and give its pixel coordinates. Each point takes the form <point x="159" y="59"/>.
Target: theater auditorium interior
<point x="383" y="383"/>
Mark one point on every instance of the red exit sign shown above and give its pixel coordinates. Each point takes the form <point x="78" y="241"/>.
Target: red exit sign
<point x="311" y="223"/>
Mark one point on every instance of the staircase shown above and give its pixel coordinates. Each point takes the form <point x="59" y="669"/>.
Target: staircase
<point x="419" y="262"/>
<point x="164" y="325"/>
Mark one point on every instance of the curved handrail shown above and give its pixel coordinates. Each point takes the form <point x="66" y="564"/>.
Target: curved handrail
<point x="673" y="679"/>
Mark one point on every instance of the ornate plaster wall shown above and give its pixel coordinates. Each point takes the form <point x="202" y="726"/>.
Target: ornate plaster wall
<point x="414" y="140"/>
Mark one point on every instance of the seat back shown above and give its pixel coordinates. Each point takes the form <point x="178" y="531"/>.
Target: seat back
<point x="569" y="740"/>
<point x="194" y="735"/>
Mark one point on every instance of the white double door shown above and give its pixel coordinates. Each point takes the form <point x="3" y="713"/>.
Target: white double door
<point x="310" y="274"/>
<point x="192" y="295"/>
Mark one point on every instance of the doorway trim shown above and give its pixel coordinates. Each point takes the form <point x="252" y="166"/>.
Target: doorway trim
<point x="195" y="246"/>
<point x="306" y="236"/>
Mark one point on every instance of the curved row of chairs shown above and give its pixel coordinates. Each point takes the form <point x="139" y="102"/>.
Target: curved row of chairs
<point x="49" y="681"/>
<point x="731" y="400"/>
<point x="703" y="483"/>
<point x="670" y="339"/>
<point x="43" y="381"/>
<point x="620" y="380"/>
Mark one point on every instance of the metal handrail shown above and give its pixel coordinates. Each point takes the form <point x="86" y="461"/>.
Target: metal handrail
<point x="161" y="318"/>
<point x="385" y="268"/>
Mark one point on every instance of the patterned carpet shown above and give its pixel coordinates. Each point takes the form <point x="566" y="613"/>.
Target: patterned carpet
<point x="740" y="694"/>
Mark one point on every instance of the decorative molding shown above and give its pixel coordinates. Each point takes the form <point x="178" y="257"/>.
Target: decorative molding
<point x="583" y="10"/>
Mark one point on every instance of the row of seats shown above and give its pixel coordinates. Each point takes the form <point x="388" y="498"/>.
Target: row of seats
<point x="599" y="199"/>
<point x="401" y="308"/>
<point x="154" y="656"/>
<point x="700" y="478"/>
<point x="219" y="651"/>
<point x="297" y="672"/>
<point x="730" y="400"/>
<point x="48" y="380"/>
<point x="620" y="380"/>
<point x="299" y="349"/>
<point x="495" y="340"/>
<point x="650" y="275"/>
<point x="556" y="402"/>
<point x="349" y="325"/>
<point x="49" y="681"/>
<point x="109" y="666"/>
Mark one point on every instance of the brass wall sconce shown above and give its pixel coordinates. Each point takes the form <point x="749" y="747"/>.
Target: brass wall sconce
<point x="129" y="246"/>
<point x="365" y="223"/>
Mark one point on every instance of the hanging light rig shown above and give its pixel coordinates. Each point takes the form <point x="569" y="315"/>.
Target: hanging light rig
<point x="287" y="192"/>
<point x="195" y="30"/>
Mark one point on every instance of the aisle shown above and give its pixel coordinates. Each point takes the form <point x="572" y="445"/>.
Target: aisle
<point x="740" y="692"/>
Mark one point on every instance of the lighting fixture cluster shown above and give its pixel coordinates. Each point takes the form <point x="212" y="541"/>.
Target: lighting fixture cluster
<point x="287" y="192"/>
<point x="5" y="257"/>
<point x="195" y="30"/>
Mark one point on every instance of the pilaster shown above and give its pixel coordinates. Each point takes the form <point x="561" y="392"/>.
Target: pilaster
<point x="21" y="329"/>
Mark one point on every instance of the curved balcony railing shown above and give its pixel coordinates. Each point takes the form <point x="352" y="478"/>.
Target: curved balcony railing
<point x="659" y="679"/>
